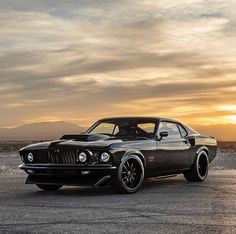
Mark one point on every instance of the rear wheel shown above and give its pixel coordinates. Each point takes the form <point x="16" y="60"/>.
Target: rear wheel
<point x="129" y="177"/>
<point x="199" y="170"/>
<point x="49" y="187"/>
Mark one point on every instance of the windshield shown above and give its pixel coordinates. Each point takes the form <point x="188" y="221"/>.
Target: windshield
<point x="125" y="129"/>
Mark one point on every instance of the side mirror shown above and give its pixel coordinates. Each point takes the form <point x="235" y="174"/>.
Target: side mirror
<point x="162" y="135"/>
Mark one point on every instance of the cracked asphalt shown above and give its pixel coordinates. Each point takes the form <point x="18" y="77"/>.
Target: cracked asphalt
<point x="169" y="205"/>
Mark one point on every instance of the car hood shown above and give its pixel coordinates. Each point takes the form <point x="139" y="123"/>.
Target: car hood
<point x="80" y="141"/>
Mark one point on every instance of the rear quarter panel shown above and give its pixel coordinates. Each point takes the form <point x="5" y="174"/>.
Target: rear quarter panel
<point x="209" y="142"/>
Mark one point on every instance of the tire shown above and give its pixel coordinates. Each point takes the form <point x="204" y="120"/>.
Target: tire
<point x="129" y="177"/>
<point x="199" y="170"/>
<point x="48" y="187"/>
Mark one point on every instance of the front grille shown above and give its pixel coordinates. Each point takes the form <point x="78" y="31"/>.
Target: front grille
<point x="60" y="156"/>
<point x="63" y="157"/>
<point x="52" y="156"/>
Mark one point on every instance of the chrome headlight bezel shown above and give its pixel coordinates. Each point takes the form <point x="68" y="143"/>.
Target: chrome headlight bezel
<point x="105" y="157"/>
<point x="30" y="157"/>
<point x="82" y="157"/>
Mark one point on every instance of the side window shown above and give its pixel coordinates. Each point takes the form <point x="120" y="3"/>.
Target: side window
<point x="147" y="127"/>
<point x="182" y="131"/>
<point x="116" y="130"/>
<point x="171" y="128"/>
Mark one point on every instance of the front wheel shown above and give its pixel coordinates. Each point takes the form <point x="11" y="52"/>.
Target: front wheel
<point x="199" y="170"/>
<point x="49" y="187"/>
<point x="129" y="177"/>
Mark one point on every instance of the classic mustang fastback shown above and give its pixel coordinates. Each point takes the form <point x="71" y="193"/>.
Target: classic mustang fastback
<point x="120" y="152"/>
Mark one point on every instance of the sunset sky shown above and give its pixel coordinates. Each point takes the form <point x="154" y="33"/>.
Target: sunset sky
<point x="78" y="61"/>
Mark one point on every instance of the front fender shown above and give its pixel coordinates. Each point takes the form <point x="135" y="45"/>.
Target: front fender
<point x="134" y="152"/>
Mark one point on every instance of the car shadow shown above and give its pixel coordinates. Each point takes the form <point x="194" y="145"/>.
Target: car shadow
<point x="163" y="181"/>
<point x="149" y="184"/>
<point x="79" y="191"/>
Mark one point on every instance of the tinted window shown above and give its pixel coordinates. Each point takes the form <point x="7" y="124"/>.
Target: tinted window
<point x="125" y="129"/>
<point x="116" y="130"/>
<point x="171" y="128"/>
<point x="183" y="131"/>
<point x="104" y="128"/>
<point x="147" y="127"/>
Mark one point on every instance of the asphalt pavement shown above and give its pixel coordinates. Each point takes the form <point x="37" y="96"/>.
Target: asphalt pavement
<point x="169" y="205"/>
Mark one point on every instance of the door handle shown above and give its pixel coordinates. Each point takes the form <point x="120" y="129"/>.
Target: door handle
<point x="186" y="141"/>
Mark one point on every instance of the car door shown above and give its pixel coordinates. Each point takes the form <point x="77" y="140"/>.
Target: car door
<point x="173" y="151"/>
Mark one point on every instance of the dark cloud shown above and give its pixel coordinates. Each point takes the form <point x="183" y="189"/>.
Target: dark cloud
<point x="47" y="5"/>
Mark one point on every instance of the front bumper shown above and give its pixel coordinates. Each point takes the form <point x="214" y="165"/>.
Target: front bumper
<point x="68" y="174"/>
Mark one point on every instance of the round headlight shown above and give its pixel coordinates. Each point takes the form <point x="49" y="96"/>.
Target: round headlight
<point x="82" y="157"/>
<point x="30" y="157"/>
<point x="105" y="157"/>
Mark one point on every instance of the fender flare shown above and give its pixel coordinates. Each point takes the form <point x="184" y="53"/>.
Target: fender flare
<point x="203" y="148"/>
<point x="200" y="149"/>
<point x="137" y="153"/>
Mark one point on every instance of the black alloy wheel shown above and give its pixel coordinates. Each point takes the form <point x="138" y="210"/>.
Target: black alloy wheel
<point x="199" y="171"/>
<point x="130" y="175"/>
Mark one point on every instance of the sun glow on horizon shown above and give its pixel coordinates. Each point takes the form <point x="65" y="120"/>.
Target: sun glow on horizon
<point x="227" y="108"/>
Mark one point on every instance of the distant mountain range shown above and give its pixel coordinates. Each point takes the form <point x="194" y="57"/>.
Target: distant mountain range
<point x="39" y="131"/>
<point x="54" y="130"/>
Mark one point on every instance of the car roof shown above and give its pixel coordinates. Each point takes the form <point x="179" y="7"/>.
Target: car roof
<point x="152" y="119"/>
<point x="139" y="118"/>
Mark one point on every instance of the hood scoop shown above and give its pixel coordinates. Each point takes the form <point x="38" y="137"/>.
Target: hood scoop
<point x="86" y="137"/>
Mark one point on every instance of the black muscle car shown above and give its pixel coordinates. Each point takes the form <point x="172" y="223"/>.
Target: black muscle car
<point x="121" y="152"/>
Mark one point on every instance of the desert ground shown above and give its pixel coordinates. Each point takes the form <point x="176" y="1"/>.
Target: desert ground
<point x="169" y="205"/>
